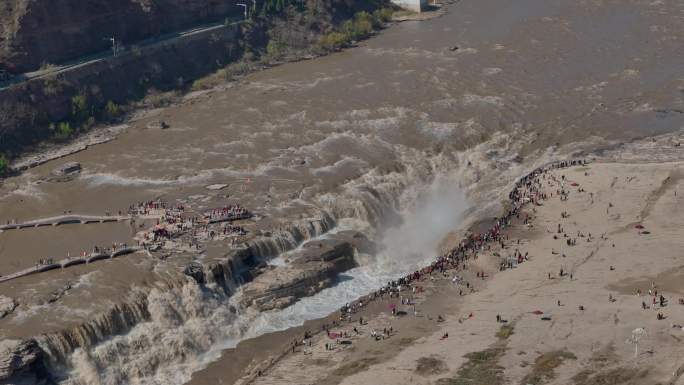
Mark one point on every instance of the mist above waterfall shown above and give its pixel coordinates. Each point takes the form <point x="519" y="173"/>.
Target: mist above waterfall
<point x="438" y="211"/>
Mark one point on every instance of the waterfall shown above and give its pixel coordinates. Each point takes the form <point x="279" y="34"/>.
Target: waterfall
<point x="163" y="333"/>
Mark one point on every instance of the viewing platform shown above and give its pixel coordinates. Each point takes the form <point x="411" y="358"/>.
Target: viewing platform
<point x="226" y="214"/>
<point x="64" y="220"/>
<point x="229" y="217"/>
<point x="72" y="261"/>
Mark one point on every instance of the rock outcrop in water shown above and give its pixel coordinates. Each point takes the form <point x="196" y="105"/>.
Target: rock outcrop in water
<point x="310" y="270"/>
<point x="7" y="306"/>
<point x="21" y="362"/>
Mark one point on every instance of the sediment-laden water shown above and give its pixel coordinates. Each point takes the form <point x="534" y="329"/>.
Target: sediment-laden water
<point x="405" y="138"/>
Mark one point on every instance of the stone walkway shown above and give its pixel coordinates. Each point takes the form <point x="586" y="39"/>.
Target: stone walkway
<point x="63" y="220"/>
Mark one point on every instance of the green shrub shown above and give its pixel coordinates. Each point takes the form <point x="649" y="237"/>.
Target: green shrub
<point x="4" y="165"/>
<point x="275" y="48"/>
<point x="248" y="55"/>
<point x="63" y="130"/>
<point x="275" y="6"/>
<point x="365" y="18"/>
<point x="52" y="85"/>
<point x="360" y="27"/>
<point x="383" y="15"/>
<point x="112" y="111"/>
<point x="208" y="82"/>
<point x="228" y="73"/>
<point x="79" y="107"/>
<point x="333" y="41"/>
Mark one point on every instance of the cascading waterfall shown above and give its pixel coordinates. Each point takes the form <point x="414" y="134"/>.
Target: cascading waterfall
<point x="120" y="318"/>
<point x="190" y="319"/>
<point x="291" y="236"/>
<point x="185" y="326"/>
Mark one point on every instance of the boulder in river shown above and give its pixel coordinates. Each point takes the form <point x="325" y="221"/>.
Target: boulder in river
<point x="196" y="271"/>
<point x="158" y="124"/>
<point x="21" y="362"/>
<point x="67" y="169"/>
<point x="7" y="306"/>
<point x="312" y="268"/>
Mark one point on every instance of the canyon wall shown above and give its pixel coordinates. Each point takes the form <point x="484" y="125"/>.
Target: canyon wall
<point x="34" y="32"/>
<point x="30" y="110"/>
<point x="27" y="109"/>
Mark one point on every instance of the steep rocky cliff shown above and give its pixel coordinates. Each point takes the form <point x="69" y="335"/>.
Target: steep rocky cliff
<point x="38" y="32"/>
<point x="45" y="31"/>
<point x="28" y="109"/>
<point x="33" y="32"/>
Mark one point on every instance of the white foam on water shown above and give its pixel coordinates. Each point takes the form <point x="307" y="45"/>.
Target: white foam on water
<point x="491" y="71"/>
<point x="439" y="130"/>
<point x="479" y="99"/>
<point x="235" y="145"/>
<point x="467" y="51"/>
<point x="446" y="130"/>
<point x="446" y="103"/>
<point x="190" y="325"/>
<point x="278" y="261"/>
<point x="202" y="177"/>
<point x="30" y="188"/>
<point x="310" y="84"/>
<point x="337" y="167"/>
<point x="103" y="179"/>
<point x="86" y="280"/>
<point x="357" y="114"/>
<point x="407" y="248"/>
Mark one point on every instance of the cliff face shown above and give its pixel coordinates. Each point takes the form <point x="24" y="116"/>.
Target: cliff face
<point x="53" y="31"/>
<point x="33" y="32"/>
<point x="27" y="109"/>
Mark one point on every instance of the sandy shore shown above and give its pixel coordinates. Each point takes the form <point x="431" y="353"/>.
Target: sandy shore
<point x="577" y="328"/>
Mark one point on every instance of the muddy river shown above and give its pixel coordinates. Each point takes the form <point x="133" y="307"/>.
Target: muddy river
<point x="405" y="138"/>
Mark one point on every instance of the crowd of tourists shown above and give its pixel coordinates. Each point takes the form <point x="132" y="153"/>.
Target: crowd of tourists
<point x="45" y="261"/>
<point x="227" y="213"/>
<point x="145" y="208"/>
<point x="529" y="189"/>
<point x="177" y="222"/>
<point x="231" y="229"/>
